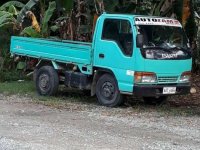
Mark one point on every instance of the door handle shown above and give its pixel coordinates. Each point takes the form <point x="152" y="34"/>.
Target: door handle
<point x="101" y="56"/>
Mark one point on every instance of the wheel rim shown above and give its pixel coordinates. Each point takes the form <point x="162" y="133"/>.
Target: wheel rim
<point x="44" y="82"/>
<point x="108" y="90"/>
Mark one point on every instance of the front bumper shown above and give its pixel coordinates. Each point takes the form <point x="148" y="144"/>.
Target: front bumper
<point x="157" y="90"/>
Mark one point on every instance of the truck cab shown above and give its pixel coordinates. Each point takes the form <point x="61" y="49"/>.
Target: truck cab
<point x="130" y="55"/>
<point x="149" y="56"/>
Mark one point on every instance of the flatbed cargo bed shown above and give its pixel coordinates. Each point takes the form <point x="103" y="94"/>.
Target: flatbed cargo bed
<point x="55" y="50"/>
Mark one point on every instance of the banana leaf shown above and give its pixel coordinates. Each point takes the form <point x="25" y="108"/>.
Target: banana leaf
<point x="47" y="16"/>
<point x="30" y="32"/>
<point x="5" y="13"/>
<point x="10" y="3"/>
<point x="26" y="8"/>
<point x="6" y="19"/>
<point x="157" y="9"/>
<point x="55" y="28"/>
<point x="12" y="9"/>
<point x="6" y="25"/>
<point x="62" y="18"/>
<point x="21" y="65"/>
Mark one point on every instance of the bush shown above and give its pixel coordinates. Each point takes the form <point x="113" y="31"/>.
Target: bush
<point x="9" y="75"/>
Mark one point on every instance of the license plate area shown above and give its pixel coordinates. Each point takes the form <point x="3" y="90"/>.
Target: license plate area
<point x="169" y="90"/>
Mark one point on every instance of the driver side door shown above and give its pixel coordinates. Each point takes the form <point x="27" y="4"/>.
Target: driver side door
<point x="114" y="51"/>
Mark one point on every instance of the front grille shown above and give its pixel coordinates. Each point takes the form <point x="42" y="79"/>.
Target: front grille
<point x="168" y="79"/>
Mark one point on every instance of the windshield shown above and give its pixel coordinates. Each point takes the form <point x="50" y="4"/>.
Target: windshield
<point x="163" y="36"/>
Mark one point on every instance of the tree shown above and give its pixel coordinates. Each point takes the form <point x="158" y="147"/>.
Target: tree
<point x="8" y="26"/>
<point x="8" y="14"/>
<point x="75" y="19"/>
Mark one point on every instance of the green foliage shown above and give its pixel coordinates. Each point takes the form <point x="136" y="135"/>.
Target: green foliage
<point x="9" y="12"/>
<point x="110" y="5"/>
<point x="26" y="87"/>
<point x="55" y="28"/>
<point x="21" y="65"/>
<point x="66" y="4"/>
<point x="9" y="75"/>
<point x="129" y="6"/>
<point x="156" y="12"/>
<point x="47" y="16"/>
<point x="30" y="32"/>
<point x="12" y="9"/>
<point x="6" y="19"/>
<point x="6" y="6"/>
<point x="27" y="7"/>
<point x="4" y="49"/>
<point x="5" y="60"/>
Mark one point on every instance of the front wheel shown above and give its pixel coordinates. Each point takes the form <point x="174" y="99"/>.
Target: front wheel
<point x="107" y="91"/>
<point x="47" y="81"/>
<point x="155" y="100"/>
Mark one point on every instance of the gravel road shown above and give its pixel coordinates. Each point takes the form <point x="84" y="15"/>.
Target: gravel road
<point x="26" y="125"/>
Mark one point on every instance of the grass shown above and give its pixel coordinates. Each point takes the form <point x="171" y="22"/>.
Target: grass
<point x="64" y="99"/>
<point x="26" y="87"/>
<point x="74" y="100"/>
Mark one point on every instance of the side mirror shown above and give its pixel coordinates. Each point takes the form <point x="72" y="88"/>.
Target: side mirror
<point x="140" y="40"/>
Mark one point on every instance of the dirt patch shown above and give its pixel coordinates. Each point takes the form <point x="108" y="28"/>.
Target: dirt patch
<point x="25" y="124"/>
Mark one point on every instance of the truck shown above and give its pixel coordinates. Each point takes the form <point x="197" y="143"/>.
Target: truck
<point x="137" y="55"/>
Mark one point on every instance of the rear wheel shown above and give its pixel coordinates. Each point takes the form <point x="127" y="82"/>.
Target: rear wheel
<point x="47" y="81"/>
<point x="155" y="100"/>
<point x="107" y="91"/>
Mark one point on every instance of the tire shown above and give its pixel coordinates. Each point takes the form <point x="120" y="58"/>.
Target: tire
<point x="47" y="81"/>
<point x="155" y="101"/>
<point x="107" y="91"/>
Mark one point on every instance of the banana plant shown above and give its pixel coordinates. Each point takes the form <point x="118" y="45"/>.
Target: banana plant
<point x="11" y="4"/>
<point x="27" y="7"/>
<point x="8" y="14"/>
<point x="44" y="26"/>
<point x="7" y="20"/>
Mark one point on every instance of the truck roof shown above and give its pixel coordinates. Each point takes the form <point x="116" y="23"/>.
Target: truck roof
<point x="132" y="16"/>
<point x="147" y="20"/>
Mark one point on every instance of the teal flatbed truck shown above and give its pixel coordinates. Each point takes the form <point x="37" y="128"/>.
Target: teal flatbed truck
<point x="130" y="55"/>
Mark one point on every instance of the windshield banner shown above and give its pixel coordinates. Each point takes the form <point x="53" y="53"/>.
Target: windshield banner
<point x="157" y="21"/>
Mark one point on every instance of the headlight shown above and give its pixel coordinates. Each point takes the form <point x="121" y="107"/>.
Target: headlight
<point x="145" y="77"/>
<point x="185" y="77"/>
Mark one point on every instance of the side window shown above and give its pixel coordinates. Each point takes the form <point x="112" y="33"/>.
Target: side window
<point x="119" y="31"/>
